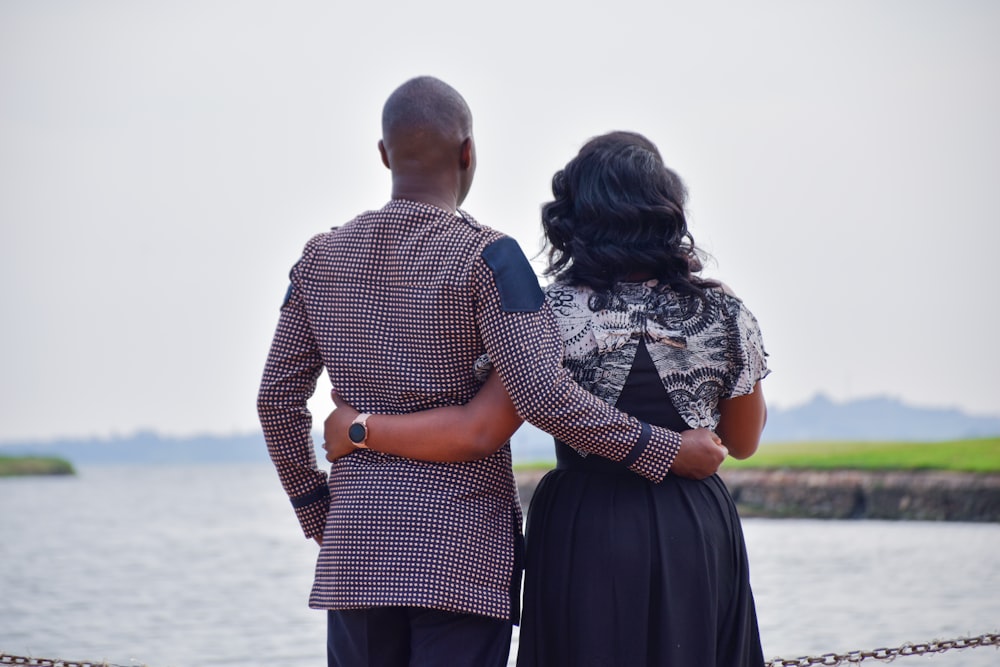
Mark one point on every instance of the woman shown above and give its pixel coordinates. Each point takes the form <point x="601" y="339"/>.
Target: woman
<point x="620" y="571"/>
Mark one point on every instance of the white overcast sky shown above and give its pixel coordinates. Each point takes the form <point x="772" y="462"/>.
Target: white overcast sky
<point x="163" y="163"/>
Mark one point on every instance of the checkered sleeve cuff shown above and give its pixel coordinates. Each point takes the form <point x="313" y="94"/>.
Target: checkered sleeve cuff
<point x="653" y="460"/>
<point x="311" y="510"/>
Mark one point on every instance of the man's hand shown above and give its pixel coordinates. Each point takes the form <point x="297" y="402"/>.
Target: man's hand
<point x="336" y="443"/>
<point x="700" y="455"/>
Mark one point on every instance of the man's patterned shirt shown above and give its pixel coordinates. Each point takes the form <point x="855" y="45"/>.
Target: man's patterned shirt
<point x="397" y="305"/>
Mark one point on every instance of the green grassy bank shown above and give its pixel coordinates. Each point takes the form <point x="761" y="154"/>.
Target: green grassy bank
<point x="980" y="455"/>
<point x="13" y="466"/>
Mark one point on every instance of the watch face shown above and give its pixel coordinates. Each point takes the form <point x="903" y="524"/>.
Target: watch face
<point x="357" y="433"/>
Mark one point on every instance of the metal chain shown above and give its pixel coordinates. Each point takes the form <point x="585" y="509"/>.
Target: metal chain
<point x="45" y="662"/>
<point x="827" y="659"/>
<point x="890" y="654"/>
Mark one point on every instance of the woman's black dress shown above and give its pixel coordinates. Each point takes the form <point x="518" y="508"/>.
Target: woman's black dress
<point x="621" y="571"/>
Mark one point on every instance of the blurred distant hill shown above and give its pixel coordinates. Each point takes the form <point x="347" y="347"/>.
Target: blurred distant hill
<point x="874" y="419"/>
<point x="147" y="447"/>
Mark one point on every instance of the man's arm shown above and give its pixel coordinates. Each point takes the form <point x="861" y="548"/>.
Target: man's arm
<point x="290" y="374"/>
<point x="521" y="337"/>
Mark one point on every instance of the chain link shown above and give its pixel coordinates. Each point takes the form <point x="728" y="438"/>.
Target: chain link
<point x="889" y="654"/>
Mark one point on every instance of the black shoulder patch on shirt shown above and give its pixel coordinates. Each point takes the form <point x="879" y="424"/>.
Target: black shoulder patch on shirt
<point x="516" y="281"/>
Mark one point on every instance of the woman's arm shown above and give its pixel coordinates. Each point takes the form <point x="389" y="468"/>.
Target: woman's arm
<point x="454" y="433"/>
<point x="742" y="422"/>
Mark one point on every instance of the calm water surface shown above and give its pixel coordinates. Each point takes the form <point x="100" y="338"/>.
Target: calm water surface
<point x="172" y="566"/>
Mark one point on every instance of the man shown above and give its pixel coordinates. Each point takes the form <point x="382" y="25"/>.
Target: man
<point x="418" y="561"/>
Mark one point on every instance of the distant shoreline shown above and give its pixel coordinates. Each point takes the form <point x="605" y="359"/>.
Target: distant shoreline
<point x="851" y="494"/>
<point x="22" y="466"/>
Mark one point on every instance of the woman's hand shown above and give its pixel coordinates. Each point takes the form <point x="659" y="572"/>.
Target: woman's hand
<point x="336" y="443"/>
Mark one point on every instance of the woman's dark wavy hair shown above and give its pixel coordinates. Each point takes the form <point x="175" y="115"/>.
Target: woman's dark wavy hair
<point x="618" y="212"/>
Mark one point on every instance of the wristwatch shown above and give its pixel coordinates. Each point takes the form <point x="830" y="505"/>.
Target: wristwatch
<point x="358" y="430"/>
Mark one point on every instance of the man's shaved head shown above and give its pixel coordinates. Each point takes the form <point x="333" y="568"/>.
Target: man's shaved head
<point x="427" y="143"/>
<point x="426" y="106"/>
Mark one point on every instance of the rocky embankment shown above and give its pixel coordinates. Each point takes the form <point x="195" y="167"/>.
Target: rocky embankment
<point x="852" y="494"/>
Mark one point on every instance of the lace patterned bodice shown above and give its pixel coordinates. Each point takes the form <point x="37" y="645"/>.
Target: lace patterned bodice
<point x="704" y="350"/>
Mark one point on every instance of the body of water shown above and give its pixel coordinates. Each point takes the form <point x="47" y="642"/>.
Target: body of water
<point x="194" y="566"/>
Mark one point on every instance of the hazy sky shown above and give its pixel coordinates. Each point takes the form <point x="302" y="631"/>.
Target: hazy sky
<point x="162" y="165"/>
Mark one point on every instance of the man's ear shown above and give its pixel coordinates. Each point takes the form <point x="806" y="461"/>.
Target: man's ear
<point x="384" y="154"/>
<point x="465" y="156"/>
